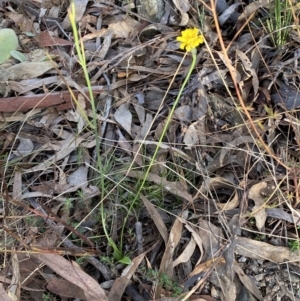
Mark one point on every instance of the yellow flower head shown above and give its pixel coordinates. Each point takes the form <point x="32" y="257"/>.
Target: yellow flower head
<point x="190" y="39"/>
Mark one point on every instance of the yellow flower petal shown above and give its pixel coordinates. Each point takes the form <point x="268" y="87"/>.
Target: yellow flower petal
<point x="190" y="39"/>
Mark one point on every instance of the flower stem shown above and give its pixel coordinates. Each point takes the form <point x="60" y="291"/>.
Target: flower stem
<point x="194" y="59"/>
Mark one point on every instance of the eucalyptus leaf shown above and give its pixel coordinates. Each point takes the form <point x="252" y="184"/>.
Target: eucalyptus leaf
<point x="8" y="42"/>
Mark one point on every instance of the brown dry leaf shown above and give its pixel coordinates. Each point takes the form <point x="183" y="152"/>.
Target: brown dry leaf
<point x="21" y="20"/>
<point x="46" y="40"/>
<point x="263" y="251"/>
<point x="124" y="28"/>
<point x="183" y="6"/>
<point x="228" y="288"/>
<point x="232" y="145"/>
<point x="146" y="126"/>
<point x="200" y="270"/>
<point x="186" y="254"/>
<point x="287" y="96"/>
<point x="14" y="289"/>
<point x="17" y="188"/>
<point x="247" y="281"/>
<point x="27" y="85"/>
<point x="26" y="70"/>
<point x="227" y="13"/>
<point x="120" y="284"/>
<point x="183" y="113"/>
<point x="211" y="237"/>
<point x="124" y="144"/>
<point x="249" y="10"/>
<point x="64" y="288"/>
<point x="258" y="211"/>
<point x="173" y="187"/>
<point x="197" y="239"/>
<point x="248" y="66"/>
<point x="138" y="103"/>
<point x="80" y="7"/>
<point x="3" y="294"/>
<point x="24" y="148"/>
<point x="158" y="221"/>
<point x="78" y="177"/>
<point x="74" y="274"/>
<point x="191" y="136"/>
<point x="212" y="184"/>
<point x="124" y="117"/>
<point x="67" y="147"/>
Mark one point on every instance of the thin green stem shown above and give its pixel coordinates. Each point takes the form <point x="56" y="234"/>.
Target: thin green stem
<point x="194" y="56"/>
<point x="82" y="61"/>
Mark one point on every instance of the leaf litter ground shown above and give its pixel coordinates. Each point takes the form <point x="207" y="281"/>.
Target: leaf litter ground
<point x="218" y="218"/>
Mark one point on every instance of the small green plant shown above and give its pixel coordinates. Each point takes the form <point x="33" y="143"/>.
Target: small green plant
<point x="279" y="22"/>
<point x="80" y="260"/>
<point x="47" y="297"/>
<point x="68" y="205"/>
<point x="294" y="245"/>
<point x="107" y="260"/>
<point x="189" y="40"/>
<point x="164" y="281"/>
<point x="118" y="255"/>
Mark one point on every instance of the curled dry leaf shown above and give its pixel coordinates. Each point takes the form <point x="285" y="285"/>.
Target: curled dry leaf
<point x="191" y="136"/>
<point x="120" y="284"/>
<point x="213" y="184"/>
<point x="186" y="254"/>
<point x="248" y="66"/>
<point x="197" y="239"/>
<point x="258" y="195"/>
<point x="183" y="6"/>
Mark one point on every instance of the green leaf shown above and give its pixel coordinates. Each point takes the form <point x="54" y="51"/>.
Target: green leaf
<point x="8" y="42"/>
<point x="117" y="253"/>
<point x="18" y="56"/>
<point x="125" y="260"/>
